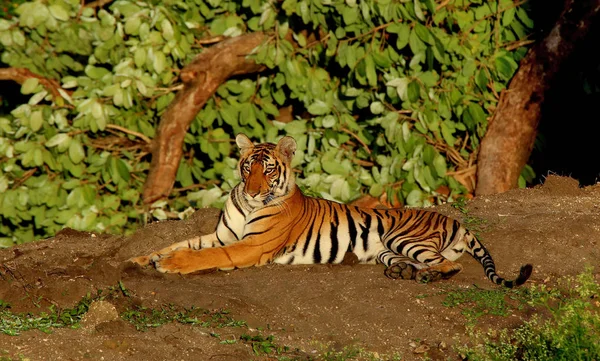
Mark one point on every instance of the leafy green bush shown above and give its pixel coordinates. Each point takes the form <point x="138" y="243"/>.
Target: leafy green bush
<point x="571" y="334"/>
<point x="388" y="98"/>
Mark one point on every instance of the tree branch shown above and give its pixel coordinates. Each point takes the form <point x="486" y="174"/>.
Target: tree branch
<point x="20" y="75"/>
<point x="201" y="79"/>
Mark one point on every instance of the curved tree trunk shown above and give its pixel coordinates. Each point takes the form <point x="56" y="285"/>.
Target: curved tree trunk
<point x="201" y="78"/>
<point x="509" y="140"/>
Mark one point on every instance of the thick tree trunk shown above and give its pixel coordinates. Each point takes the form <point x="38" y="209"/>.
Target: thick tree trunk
<point x="509" y="140"/>
<point x="201" y="78"/>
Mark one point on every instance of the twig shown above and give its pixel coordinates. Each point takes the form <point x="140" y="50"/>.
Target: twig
<point x="25" y="177"/>
<point x="198" y="185"/>
<point x="128" y="131"/>
<point x="357" y="139"/>
<point x="441" y="5"/>
<point x="517" y="44"/>
<point x="97" y="3"/>
<point x="463" y="171"/>
<point x="211" y="40"/>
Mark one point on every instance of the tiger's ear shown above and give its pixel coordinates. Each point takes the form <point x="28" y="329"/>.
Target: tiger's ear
<point x="286" y="148"/>
<point x="244" y="143"/>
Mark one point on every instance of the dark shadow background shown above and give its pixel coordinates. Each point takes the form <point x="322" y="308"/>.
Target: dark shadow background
<point x="567" y="141"/>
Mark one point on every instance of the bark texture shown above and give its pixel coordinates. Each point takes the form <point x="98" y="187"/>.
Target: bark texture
<point x="200" y="78"/>
<point x="19" y="75"/>
<point x="510" y="137"/>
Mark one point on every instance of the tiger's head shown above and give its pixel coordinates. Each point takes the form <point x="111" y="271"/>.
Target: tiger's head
<point x="265" y="169"/>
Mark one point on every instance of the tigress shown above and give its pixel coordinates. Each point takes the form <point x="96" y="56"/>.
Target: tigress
<point x="267" y="219"/>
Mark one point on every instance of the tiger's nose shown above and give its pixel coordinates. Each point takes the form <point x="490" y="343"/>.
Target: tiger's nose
<point x="252" y="193"/>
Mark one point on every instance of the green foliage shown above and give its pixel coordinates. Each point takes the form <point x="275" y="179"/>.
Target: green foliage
<point x="475" y="302"/>
<point x="388" y="98"/>
<point x="14" y="323"/>
<point x="571" y="333"/>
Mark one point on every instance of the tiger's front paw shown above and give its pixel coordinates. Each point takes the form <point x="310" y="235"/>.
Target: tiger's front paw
<point x="141" y="260"/>
<point x="180" y="261"/>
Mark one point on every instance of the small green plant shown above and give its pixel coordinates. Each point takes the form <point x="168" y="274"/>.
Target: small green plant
<point x="263" y="345"/>
<point x="571" y="333"/>
<point x="143" y="318"/>
<point x="14" y="323"/>
<point x="476" y="302"/>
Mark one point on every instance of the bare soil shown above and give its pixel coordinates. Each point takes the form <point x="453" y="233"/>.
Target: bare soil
<point x="310" y="309"/>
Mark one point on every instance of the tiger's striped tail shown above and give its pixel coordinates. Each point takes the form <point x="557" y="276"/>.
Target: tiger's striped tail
<point x="481" y="254"/>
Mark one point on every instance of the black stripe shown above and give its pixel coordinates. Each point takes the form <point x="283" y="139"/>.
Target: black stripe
<point x="218" y="239"/>
<point x="258" y="218"/>
<point x="351" y="230"/>
<point x="308" y="238"/>
<point x="234" y="200"/>
<point x="364" y="235"/>
<point x="256" y="233"/>
<point x="333" y="235"/>
<point x="380" y="228"/>
<point x="224" y="220"/>
<point x="317" y="251"/>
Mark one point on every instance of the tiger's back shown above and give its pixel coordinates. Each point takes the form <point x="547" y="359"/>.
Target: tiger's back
<point x="268" y="219"/>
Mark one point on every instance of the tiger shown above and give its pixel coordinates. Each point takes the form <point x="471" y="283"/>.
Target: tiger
<point x="267" y="219"/>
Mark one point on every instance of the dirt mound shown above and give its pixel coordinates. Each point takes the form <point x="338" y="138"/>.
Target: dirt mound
<point x="556" y="227"/>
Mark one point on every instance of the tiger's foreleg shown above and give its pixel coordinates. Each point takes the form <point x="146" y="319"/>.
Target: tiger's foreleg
<point x="206" y="241"/>
<point x="251" y="251"/>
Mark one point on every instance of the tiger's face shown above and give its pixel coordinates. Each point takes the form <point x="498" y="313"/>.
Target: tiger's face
<point x="265" y="169"/>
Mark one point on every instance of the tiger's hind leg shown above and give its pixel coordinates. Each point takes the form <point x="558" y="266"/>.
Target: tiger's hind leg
<point x="399" y="266"/>
<point x="430" y="266"/>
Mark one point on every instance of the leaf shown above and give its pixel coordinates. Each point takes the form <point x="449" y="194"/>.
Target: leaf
<point x="123" y="170"/>
<point x="439" y="163"/>
<point x="59" y="12"/>
<point x="160" y="62"/>
<point x="319" y="107"/>
<point x="447" y="134"/>
<point x="140" y="57"/>
<point x="333" y="167"/>
<point x="167" y="30"/>
<point x="370" y="70"/>
<point x="36" y="120"/>
<point x="132" y="25"/>
<point x="29" y="85"/>
<point x="60" y="138"/>
<point x="328" y="121"/>
<point x="403" y="35"/>
<point x="376" y="190"/>
<point x="508" y="16"/>
<point x="482" y="80"/>
<point x="413" y="91"/>
<point x="349" y="15"/>
<point x="414" y="198"/>
<point x="506" y="67"/>
<point x="38" y="97"/>
<point x="423" y="33"/>
<point x="76" y="152"/>
<point x="401" y="85"/>
<point x="377" y="108"/>
<point x="418" y="10"/>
